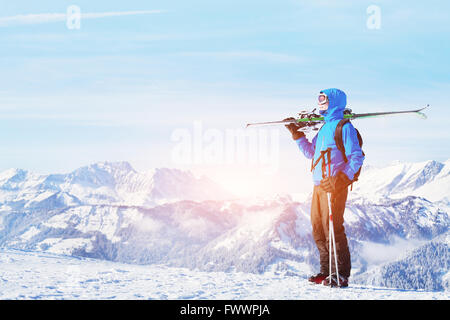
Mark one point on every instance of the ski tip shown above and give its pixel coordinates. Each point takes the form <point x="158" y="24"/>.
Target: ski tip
<point x="421" y="114"/>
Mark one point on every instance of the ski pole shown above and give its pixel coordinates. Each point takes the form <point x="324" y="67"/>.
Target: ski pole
<point x="332" y="238"/>
<point x="331" y="226"/>
<point x="329" y="242"/>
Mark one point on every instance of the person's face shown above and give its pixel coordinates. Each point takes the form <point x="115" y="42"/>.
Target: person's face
<point x="323" y="102"/>
<point x="324" y="107"/>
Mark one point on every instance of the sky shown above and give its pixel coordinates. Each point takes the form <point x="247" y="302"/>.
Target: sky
<point x="170" y="83"/>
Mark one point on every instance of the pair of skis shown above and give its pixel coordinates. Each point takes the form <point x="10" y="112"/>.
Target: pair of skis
<point x="311" y="120"/>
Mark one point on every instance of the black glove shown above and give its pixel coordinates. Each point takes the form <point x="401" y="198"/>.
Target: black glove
<point x="335" y="184"/>
<point x="293" y="128"/>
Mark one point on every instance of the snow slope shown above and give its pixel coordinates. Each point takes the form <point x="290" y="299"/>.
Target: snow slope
<point x="34" y="275"/>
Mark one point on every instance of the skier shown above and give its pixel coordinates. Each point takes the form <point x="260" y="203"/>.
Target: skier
<point x="332" y="103"/>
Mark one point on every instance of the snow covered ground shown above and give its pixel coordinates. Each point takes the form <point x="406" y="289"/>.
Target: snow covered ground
<point x="38" y="275"/>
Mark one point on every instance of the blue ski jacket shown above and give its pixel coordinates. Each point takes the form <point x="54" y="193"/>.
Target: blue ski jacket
<point x="325" y="139"/>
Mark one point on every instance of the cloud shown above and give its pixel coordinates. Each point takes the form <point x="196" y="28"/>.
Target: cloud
<point x="260" y="55"/>
<point x="56" y="17"/>
<point x="378" y="253"/>
<point x="115" y="14"/>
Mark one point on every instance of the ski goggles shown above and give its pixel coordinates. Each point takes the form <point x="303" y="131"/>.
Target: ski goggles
<point x="323" y="99"/>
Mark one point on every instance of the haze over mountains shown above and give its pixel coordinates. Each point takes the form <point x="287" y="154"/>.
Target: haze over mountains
<point x="396" y="219"/>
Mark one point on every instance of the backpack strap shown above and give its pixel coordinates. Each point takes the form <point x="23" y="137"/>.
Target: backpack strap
<point x="312" y="160"/>
<point x="338" y="138"/>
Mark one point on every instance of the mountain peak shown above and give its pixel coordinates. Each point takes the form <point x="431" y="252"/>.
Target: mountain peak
<point x="395" y="163"/>
<point x="171" y="172"/>
<point x="12" y="173"/>
<point x="111" y="166"/>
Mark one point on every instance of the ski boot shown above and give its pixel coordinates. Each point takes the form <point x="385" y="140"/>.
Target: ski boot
<point x="331" y="280"/>
<point x="318" y="278"/>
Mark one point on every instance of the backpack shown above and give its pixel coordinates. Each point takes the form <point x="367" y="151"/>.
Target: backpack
<point x="340" y="144"/>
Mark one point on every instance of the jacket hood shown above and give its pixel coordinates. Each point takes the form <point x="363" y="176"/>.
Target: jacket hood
<point x="337" y="103"/>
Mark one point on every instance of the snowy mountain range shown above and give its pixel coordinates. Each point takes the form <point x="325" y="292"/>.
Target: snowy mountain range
<point x="103" y="183"/>
<point x="396" y="220"/>
<point x="429" y="180"/>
